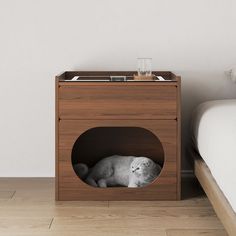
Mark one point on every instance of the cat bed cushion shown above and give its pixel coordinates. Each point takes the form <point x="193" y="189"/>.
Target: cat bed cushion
<point x="214" y="135"/>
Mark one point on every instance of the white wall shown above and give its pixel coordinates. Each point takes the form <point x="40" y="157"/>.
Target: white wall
<point x="38" y="39"/>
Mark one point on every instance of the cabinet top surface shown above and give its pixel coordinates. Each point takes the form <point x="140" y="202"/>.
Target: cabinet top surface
<point x="114" y="78"/>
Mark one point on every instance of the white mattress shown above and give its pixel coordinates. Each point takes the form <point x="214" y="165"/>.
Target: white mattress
<point x="214" y="129"/>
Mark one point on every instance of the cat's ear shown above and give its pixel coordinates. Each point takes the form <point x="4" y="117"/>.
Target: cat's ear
<point x="146" y="163"/>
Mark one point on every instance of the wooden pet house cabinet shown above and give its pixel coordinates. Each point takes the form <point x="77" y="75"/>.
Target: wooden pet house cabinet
<point x="97" y="116"/>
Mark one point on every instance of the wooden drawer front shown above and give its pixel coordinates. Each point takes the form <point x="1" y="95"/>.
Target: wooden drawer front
<point x="117" y="102"/>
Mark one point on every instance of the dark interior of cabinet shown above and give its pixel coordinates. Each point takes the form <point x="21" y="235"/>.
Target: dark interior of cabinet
<point x="101" y="142"/>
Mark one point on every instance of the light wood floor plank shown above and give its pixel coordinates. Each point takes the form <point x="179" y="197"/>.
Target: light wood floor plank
<point x="19" y="223"/>
<point x="115" y="222"/>
<point x="7" y="194"/>
<point x="193" y="202"/>
<point x="88" y="232"/>
<point x="32" y="201"/>
<point x="98" y="212"/>
<point x="196" y="232"/>
<point x="30" y="210"/>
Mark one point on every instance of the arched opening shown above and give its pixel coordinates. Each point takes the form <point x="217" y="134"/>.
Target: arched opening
<point x="100" y="142"/>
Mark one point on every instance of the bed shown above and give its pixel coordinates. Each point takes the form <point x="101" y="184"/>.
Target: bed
<point x="214" y="151"/>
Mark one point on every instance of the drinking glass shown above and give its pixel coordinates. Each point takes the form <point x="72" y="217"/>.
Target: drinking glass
<point x="144" y="66"/>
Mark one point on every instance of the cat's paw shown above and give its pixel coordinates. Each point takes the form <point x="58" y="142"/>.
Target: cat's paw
<point x="91" y="181"/>
<point x="102" y="183"/>
<point x="132" y="185"/>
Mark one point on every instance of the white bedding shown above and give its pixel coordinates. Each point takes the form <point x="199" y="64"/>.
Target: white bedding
<point x="214" y="129"/>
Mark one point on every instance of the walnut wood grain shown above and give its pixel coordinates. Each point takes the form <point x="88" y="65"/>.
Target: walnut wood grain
<point x="154" y="106"/>
<point x="112" y="102"/>
<point x="72" y="188"/>
<point x="178" y="138"/>
<point x="57" y="79"/>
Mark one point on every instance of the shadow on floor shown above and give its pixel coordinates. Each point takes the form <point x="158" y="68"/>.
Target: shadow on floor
<point x="191" y="189"/>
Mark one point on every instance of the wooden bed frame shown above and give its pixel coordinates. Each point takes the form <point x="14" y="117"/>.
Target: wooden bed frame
<point x="217" y="198"/>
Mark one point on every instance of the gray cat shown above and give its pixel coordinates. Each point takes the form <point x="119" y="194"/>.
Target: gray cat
<point x="118" y="170"/>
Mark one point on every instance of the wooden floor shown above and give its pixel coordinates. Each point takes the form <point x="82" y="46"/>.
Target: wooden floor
<point x="27" y="207"/>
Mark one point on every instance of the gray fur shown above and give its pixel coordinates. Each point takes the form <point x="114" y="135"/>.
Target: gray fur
<point x="81" y="170"/>
<point x="118" y="170"/>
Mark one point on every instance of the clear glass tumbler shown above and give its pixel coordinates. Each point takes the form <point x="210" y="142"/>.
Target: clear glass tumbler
<point x="144" y="66"/>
